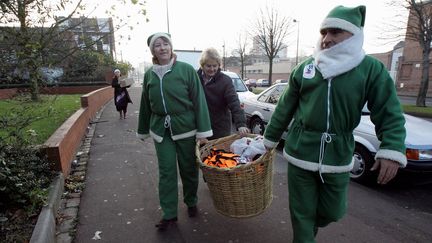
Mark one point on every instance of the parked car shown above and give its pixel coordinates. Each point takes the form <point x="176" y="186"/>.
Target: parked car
<point x="418" y="142"/>
<point x="259" y="109"/>
<point x="418" y="147"/>
<point x="262" y="82"/>
<point x="251" y="83"/>
<point x="281" y="81"/>
<point x="240" y="87"/>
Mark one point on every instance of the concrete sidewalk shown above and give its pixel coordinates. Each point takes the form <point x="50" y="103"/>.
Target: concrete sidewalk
<point x="120" y="199"/>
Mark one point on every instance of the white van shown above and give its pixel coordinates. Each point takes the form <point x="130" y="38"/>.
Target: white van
<point x="262" y="82"/>
<point x="240" y="87"/>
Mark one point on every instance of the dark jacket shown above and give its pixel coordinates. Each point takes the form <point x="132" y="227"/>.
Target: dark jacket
<point x="121" y="95"/>
<point x="222" y="102"/>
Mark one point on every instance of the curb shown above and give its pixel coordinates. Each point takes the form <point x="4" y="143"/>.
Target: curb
<point x="67" y="216"/>
<point x="45" y="229"/>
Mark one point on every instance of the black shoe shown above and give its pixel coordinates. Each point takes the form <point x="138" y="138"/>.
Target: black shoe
<point x="192" y="211"/>
<point x="166" y="223"/>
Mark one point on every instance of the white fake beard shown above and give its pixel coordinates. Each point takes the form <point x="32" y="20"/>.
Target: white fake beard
<point x="341" y="57"/>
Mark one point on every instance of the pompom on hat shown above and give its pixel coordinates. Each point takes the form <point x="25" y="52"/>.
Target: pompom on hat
<point x="345" y="18"/>
<point x="152" y="38"/>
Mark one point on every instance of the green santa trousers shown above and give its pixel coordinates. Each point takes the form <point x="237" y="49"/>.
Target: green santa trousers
<point x="313" y="203"/>
<point x="169" y="153"/>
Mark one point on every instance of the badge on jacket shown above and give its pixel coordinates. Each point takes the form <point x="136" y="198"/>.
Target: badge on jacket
<point x="309" y="71"/>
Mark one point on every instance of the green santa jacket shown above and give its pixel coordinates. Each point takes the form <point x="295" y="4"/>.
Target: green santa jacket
<point x="324" y="114"/>
<point x="175" y="102"/>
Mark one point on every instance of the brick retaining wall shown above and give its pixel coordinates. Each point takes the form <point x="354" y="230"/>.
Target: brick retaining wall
<point x="8" y="93"/>
<point x="62" y="145"/>
<point x="96" y="99"/>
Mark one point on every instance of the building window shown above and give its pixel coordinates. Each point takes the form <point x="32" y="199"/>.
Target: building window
<point x="406" y="70"/>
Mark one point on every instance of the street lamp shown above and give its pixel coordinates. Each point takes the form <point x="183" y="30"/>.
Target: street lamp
<point x="223" y="60"/>
<point x="298" y="34"/>
<point x="167" y="15"/>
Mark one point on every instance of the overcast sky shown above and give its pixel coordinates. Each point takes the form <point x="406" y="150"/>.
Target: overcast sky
<point x="198" y="24"/>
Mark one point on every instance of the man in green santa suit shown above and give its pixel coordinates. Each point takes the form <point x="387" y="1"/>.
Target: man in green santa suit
<point x="324" y="100"/>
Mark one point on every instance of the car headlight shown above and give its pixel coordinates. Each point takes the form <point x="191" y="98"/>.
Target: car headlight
<point x="419" y="154"/>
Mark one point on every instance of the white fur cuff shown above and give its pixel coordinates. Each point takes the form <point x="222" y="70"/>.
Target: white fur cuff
<point x="269" y="144"/>
<point x="392" y="155"/>
<point x="204" y="134"/>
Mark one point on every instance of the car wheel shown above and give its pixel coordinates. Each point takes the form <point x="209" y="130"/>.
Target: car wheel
<point x="257" y="126"/>
<point x="363" y="161"/>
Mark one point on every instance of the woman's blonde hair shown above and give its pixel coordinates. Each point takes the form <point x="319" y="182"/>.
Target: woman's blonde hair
<point x="210" y="54"/>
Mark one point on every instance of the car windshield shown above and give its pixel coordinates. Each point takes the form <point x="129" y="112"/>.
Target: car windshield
<point x="239" y="85"/>
<point x="273" y="94"/>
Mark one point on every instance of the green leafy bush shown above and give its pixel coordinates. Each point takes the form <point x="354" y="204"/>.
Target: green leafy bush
<point x="24" y="173"/>
<point x="25" y="176"/>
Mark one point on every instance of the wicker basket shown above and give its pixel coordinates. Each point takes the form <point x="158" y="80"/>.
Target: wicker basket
<point x="242" y="191"/>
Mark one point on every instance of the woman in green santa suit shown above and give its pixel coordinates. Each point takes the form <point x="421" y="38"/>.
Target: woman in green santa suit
<point x="174" y="113"/>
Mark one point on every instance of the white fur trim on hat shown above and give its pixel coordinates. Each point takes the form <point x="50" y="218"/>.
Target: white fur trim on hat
<point x="340" y="24"/>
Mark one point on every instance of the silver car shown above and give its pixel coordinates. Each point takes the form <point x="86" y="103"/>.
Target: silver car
<point x="259" y="109"/>
<point x="418" y="141"/>
<point x="240" y="87"/>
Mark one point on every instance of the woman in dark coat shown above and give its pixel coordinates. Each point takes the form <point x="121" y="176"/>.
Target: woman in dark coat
<point x="222" y="99"/>
<point x="121" y="95"/>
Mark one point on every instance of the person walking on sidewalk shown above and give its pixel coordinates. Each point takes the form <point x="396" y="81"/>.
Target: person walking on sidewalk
<point x="222" y="99"/>
<point x="174" y="113"/>
<point x="121" y="95"/>
<point x="324" y="99"/>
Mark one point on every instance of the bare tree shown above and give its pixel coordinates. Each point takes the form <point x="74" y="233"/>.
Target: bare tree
<point x="34" y="34"/>
<point x="420" y="30"/>
<point x="241" y="52"/>
<point x="27" y="39"/>
<point x="270" y="31"/>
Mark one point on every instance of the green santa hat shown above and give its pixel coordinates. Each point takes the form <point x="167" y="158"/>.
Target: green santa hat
<point x="345" y="18"/>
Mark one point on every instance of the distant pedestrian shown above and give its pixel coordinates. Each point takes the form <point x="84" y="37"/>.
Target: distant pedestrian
<point x="222" y="99"/>
<point x="121" y="95"/>
<point x="323" y="103"/>
<point x="174" y="113"/>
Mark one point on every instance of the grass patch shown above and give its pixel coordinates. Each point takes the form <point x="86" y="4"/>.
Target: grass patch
<point x="258" y="90"/>
<point x="48" y="114"/>
<point x="413" y="108"/>
<point x="419" y="111"/>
